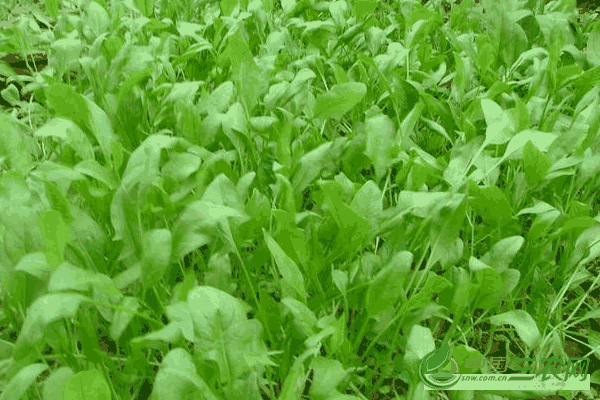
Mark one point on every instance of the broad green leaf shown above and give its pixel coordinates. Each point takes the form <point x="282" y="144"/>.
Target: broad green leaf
<point x="199" y="214"/>
<point x="381" y="139"/>
<point x="183" y="91"/>
<point x="11" y="95"/>
<point x="503" y="252"/>
<point x="587" y="246"/>
<point x="206" y="302"/>
<point x="523" y="323"/>
<point x="69" y="277"/>
<point x="6" y="69"/>
<point x="218" y="273"/>
<point x="293" y="385"/>
<point x="340" y="279"/>
<point x="459" y="297"/>
<point x="498" y="123"/>
<point x="328" y="374"/>
<point x="219" y="100"/>
<point x="181" y="314"/>
<point x="303" y="316"/>
<point x="492" y="204"/>
<point x="101" y="128"/>
<point x="535" y="164"/>
<point x="44" y="310"/>
<point x="18" y="385"/>
<point x="157" y="255"/>
<point x="368" y="203"/>
<point x="178" y="379"/>
<point x="339" y="99"/>
<point x="87" y="385"/>
<point x="423" y="204"/>
<point x="288" y="269"/>
<point x="246" y="349"/>
<point x="540" y="207"/>
<point x="354" y="231"/>
<point x="363" y="8"/>
<point x="434" y="284"/>
<point x="511" y="279"/>
<point x="313" y="162"/>
<point x="418" y="344"/>
<point x="123" y="316"/>
<point x="541" y="140"/>
<point x="388" y="285"/>
<point x="93" y="169"/>
<point x="15" y="145"/>
<point x="56" y="234"/>
<point x="97" y="19"/>
<point x="491" y="287"/>
<point x="55" y="383"/>
<point x="69" y="104"/>
<point x="35" y="264"/>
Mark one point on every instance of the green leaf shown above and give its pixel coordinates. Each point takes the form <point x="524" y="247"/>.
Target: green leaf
<point x="388" y="285"/>
<point x="157" y="255"/>
<point x="287" y="267"/>
<point x="35" y="264"/>
<point x="535" y="164"/>
<point x="313" y="162"/>
<point x="354" y="230"/>
<point x="56" y="234"/>
<point x="69" y="104"/>
<point x="523" y="323"/>
<point x="328" y="374"/>
<point x="206" y="302"/>
<point x="503" y="252"/>
<point x="498" y="123"/>
<point x="97" y="19"/>
<point x="44" y="310"/>
<point x="367" y="202"/>
<point x="18" y="385"/>
<point x="93" y="169"/>
<point x="541" y="140"/>
<point x="492" y="204"/>
<point x="219" y="100"/>
<point x="52" y="7"/>
<point x="198" y="215"/>
<point x="69" y="277"/>
<point x="491" y="288"/>
<point x="340" y="279"/>
<point x="144" y="6"/>
<point x="339" y="99"/>
<point x="123" y="316"/>
<point x="434" y="284"/>
<point x="303" y="316"/>
<point x="55" y="383"/>
<point x="458" y="299"/>
<point x="15" y="145"/>
<point x="419" y="344"/>
<point x="293" y="385"/>
<point x="87" y="385"/>
<point x="381" y="140"/>
<point x="178" y="379"/>
<point x="11" y="95"/>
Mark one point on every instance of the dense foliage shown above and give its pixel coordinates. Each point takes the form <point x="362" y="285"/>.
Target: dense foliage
<point x="251" y="199"/>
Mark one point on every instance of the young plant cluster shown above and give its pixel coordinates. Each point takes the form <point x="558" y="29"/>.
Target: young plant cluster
<point x="295" y="199"/>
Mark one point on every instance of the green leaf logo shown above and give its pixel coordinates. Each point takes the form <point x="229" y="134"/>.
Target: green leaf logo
<point x="434" y="361"/>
